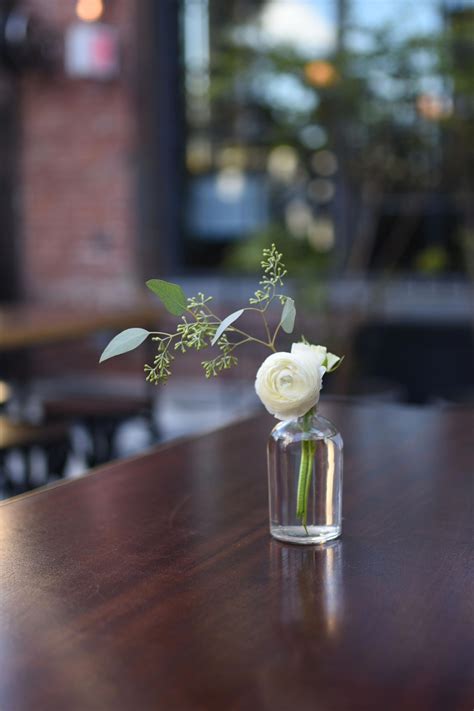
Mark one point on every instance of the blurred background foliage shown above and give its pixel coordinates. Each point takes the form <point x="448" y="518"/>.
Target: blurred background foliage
<point x="361" y="148"/>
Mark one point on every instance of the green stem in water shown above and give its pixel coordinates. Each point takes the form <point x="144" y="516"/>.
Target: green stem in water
<point x="309" y="473"/>
<point x="308" y="448"/>
<point x="300" y="497"/>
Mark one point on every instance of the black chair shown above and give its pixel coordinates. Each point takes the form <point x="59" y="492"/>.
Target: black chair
<point x="52" y="440"/>
<point x="100" y="416"/>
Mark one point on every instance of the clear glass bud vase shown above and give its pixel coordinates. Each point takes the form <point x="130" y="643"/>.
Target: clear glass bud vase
<point x="305" y="480"/>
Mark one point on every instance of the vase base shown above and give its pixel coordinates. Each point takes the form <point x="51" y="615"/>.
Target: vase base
<point x="298" y="535"/>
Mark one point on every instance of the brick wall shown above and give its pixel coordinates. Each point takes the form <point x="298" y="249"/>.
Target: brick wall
<point x="77" y="193"/>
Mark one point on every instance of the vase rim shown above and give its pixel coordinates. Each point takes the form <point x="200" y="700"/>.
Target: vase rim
<point x="319" y="424"/>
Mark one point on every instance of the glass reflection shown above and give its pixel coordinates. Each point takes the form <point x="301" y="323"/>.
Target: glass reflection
<point x="310" y="587"/>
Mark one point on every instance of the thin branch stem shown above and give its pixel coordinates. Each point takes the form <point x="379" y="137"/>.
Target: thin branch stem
<point x="272" y="342"/>
<point x="239" y="343"/>
<point x="248" y="336"/>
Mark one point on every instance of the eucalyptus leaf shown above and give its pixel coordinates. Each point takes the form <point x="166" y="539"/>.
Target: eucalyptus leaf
<point x="225" y="324"/>
<point x="125" y="341"/>
<point x="288" y="315"/>
<point x="171" y="295"/>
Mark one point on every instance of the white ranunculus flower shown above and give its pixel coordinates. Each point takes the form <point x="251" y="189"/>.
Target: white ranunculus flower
<point x="289" y="384"/>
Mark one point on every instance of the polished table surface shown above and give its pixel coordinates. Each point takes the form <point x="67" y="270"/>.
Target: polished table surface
<point x="28" y="325"/>
<point x="153" y="583"/>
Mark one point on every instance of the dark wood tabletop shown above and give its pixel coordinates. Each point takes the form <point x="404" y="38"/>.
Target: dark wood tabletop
<point x="26" y="325"/>
<point x="153" y="583"/>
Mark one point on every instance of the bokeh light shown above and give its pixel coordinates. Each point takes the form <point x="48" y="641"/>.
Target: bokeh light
<point x="324" y="163"/>
<point x="283" y="163"/>
<point x="433" y="108"/>
<point x="298" y="217"/>
<point x="321" y="190"/>
<point x="321" y="73"/>
<point x="89" y="10"/>
<point x="321" y="234"/>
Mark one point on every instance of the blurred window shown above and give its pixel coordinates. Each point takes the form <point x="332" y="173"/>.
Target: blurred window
<point x="342" y="129"/>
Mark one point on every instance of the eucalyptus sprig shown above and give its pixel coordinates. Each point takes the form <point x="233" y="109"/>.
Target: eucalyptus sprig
<point x="293" y="392"/>
<point x="199" y="327"/>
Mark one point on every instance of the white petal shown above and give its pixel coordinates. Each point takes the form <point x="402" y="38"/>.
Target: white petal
<point x="331" y="360"/>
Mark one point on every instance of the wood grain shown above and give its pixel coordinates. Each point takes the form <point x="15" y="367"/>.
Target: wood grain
<point x="153" y="583"/>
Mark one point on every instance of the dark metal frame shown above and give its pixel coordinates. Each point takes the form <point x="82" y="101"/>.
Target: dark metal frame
<point x="161" y="160"/>
<point x="9" y="258"/>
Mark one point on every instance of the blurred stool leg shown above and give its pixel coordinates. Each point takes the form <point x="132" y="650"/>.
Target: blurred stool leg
<point x="56" y="457"/>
